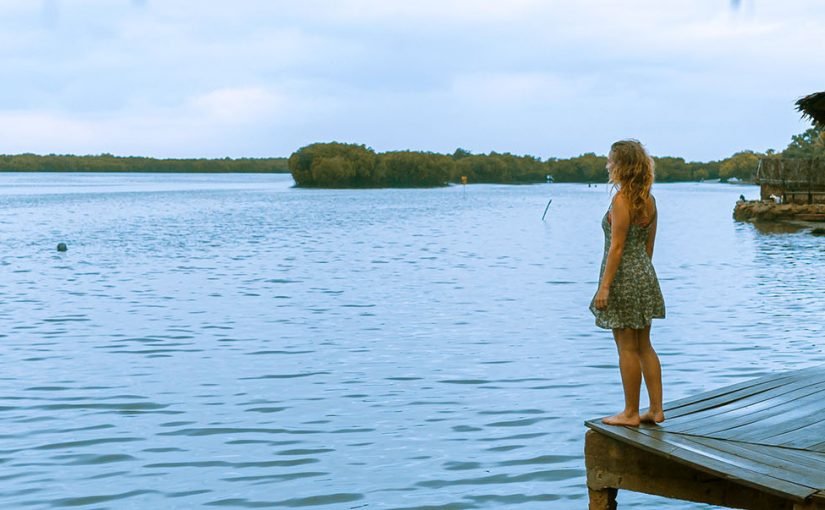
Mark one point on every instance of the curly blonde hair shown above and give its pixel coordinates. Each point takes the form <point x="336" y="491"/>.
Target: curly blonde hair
<point x="632" y="174"/>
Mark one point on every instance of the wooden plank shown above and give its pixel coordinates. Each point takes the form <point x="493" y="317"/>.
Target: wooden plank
<point x="784" y="419"/>
<point x="701" y="459"/>
<point x="761" y="411"/>
<point x="797" y="419"/>
<point x="768" y="399"/>
<point x="804" y="459"/>
<point x="803" y="429"/>
<point x="756" y="388"/>
<point x="768" y="380"/>
<point x="781" y="478"/>
<point x="631" y="436"/>
<point x="757" y="458"/>
<point x="740" y="398"/>
<point x="807" y="437"/>
<point x="612" y="464"/>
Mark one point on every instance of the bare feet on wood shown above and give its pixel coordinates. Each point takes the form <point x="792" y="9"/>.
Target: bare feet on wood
<point x="653" y="417"/>
<point x="623" y="418"/>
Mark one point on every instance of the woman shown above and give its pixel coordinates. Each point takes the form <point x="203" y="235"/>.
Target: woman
<point x="629" y="296"/>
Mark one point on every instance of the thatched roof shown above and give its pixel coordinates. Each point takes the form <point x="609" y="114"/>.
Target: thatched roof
<point x="813" y="106"/>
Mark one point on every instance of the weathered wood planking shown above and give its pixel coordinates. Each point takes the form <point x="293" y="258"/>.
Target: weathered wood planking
<point x="765" y="436"/>
<point x="799" y="398"/>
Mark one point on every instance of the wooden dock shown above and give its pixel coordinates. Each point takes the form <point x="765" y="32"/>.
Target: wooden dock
<point x="758" y="445"/>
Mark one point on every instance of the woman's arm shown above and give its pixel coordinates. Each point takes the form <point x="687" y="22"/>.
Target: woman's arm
<point x="619" y="225"/>
<point x="651" y="238"/>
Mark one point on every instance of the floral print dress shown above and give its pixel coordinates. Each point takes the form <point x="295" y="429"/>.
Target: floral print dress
<point x="635" y="296"/>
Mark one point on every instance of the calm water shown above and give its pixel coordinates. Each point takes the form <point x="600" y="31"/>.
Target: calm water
<point x="230" y="341"/>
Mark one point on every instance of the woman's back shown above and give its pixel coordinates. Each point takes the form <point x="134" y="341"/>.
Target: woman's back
<point x="639" y="230"/>
<point x="643" y="218"/>
<point x="635" y="295"/>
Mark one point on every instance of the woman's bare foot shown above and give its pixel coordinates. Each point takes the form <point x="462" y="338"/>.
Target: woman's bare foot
<point x="653" y="417"/>
<point x="623" y="418"/>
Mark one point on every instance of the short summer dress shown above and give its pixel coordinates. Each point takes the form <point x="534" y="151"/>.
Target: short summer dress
<point x="635" y="296"/>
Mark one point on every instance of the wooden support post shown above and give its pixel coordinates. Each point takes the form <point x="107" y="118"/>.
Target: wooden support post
<point x="807" y="506"/>
<point x="612" y="465"/>
<point x="602" y="499"/>
<point x="818" y="503"/>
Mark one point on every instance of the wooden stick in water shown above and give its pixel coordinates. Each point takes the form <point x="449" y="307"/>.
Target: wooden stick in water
<point x="545" y="210"/>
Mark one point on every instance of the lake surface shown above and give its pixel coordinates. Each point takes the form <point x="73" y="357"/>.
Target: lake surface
<point x="230" y="341"/>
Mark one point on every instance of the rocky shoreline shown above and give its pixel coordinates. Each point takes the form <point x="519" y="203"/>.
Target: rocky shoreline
<point x="768" y="210"/>
<point x="803" y="215"/>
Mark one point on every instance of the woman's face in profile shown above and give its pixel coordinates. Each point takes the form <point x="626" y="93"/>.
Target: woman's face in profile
<point x="610" y="166"/>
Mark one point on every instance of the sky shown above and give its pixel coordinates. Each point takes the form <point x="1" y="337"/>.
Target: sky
<point x="699" y="79"/>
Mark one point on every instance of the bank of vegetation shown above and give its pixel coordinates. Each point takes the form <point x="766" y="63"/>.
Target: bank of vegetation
<point x="110" y="163"/>
<point x="353" y="166"/>
<point x="340" y="165"/>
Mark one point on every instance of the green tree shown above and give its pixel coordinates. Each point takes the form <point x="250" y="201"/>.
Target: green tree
<point x="461" y="153"/>
<point x="413" y="169"/>
<point x="110" y="163"/>
<point x="336" y="171"/>
<point x="352" y="165"/>
<point x="587" y="167"/>
<point x="809" y="144"/>
<point x="670" y="169"/>
<point x="741" y="165"/>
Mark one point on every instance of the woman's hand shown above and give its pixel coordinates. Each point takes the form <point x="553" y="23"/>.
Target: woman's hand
<point x="601" y="298"/>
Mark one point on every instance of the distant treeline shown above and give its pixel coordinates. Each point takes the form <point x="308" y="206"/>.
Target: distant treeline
<point x="350" y="165"/>
<point x="110" y="163"/>
<point x="339" y="165"/>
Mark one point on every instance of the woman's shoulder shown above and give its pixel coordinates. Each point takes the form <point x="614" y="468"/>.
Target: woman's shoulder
<point x="619" y="198"/>
<point x="620" y="201"/>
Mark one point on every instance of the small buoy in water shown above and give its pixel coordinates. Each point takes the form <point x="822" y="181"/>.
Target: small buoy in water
<point x="62" y="247"/>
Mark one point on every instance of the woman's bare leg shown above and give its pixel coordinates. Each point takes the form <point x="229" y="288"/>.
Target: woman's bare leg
<point x="627" y="343"/>
<point x="652" y="370"/>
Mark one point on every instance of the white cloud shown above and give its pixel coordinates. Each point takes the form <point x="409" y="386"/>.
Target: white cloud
<point x="239" y="105"/>
<point x="518" y="89"/>
<point x="31" y="131"/>
<point x="540" y="76"/>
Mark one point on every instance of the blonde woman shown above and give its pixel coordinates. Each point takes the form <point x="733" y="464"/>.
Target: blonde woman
<point x="629" y="296"/>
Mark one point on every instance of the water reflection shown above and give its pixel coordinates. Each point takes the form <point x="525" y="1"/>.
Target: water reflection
<point x="778" y="227"/>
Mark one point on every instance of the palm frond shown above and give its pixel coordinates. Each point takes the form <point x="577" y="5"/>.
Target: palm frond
<point x="813" y="107"/>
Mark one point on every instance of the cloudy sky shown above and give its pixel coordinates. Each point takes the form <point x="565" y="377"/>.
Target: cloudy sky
<point x="206" y="78"/>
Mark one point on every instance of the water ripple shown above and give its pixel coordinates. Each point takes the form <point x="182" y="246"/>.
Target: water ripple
<point x="231" y="341"/>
